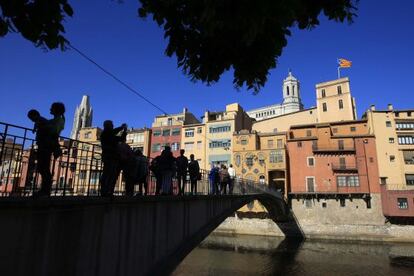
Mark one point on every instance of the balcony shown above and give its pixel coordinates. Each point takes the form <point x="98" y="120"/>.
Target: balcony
<point x="333" y="149"/>
<point x="338" y="167"/>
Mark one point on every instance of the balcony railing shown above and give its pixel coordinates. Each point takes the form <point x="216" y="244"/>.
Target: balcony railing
<point x="77" y="172"/>
<point x="347" y="167"/>
<point x="328" y="149"/>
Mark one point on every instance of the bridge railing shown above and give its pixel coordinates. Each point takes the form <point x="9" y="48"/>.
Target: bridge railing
<point x="78" y="170"/>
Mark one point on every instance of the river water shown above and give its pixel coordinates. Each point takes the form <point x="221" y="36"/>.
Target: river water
<point x="256" y="255"/>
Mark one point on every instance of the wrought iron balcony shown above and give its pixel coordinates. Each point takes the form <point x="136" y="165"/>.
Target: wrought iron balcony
<point x="332" y="149"/>
<point x="347" y="167"/>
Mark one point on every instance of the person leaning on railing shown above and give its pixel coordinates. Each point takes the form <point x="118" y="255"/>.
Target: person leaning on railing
<point x="110" y="156"/>
<point x="47" y="140"/>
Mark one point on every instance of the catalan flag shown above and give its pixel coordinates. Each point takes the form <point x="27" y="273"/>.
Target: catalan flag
<point x="344" y="63"/>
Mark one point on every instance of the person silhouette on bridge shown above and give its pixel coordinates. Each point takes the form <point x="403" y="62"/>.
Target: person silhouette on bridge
<point x="214" y="179"/>
<point x="232" y="173"/>
<point x="167" y="170"/>
<point x="47" y="140"/>
<point x="141" y="171"/>
<point x="194" y="172"/>
<point x="224" y="179"/>
<point x="182" y="166"/>
<point x="111" y="156"/>
<point x="156" y="171"/>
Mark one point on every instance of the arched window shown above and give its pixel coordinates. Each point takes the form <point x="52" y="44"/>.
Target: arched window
<point x="293" y="90"/>
<point x="238" y="160"/>
<point x="262" y="179"/>
<point x="287" y="90"/>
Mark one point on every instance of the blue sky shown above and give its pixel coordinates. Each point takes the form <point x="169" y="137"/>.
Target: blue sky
<point x="380" y="44"/>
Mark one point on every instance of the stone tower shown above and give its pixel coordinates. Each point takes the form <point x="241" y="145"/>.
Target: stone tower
<point x="82" y="118"/>
<point x="291" y="94"/>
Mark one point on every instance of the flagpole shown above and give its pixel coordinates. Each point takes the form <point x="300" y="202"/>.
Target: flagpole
<point x="339" y="72"/>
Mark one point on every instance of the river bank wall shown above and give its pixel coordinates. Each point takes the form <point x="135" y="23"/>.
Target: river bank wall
<point x="330" y="219"/>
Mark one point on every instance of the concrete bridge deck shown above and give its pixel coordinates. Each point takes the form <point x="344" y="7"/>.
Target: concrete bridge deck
<point x="120" y="236"/>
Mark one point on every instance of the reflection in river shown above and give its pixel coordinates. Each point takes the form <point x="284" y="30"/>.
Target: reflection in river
<point x="254" y="255"/>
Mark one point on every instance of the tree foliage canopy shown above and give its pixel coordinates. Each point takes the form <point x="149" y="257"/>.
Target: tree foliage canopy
<point x="39" y="21"/>
<point x="208" y="37"/>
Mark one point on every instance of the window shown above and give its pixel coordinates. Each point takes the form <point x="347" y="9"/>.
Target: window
<point x="276" y="156"/>
<point x="388" y="123"/>
<point x="165" y="145"/>
<point x="249" y="161"/>
<point x="371" y="160"/>
<point x="175" y="146"/>
<point x="324" y="107"/>
<point x="397" y="114"/>
<point x="243" y="141"/>
<point x="82" y="174"/>
<point x="169" y="121"/>
<point x="189" y="145"/>
<point x="88" y="135"/>
<point x="402" y="203"/>
<point x="323" y="93"/>
<point x="308" y="132"/>
<point x="341" y="104"/>
<point x="262" y="179"/>
<point x="156" y="147"/>
<point x="409" y="179"/>
<point x="275" y="130"/>
<point x="299" y="144"/>
<point x="189" y="132"/>
<point x="220" y="144"/>
<point x="353" y="129"/>
<point x="408" y="157"/>
<point x="176" y="132"/>
<point x="308" y="203"/>
<point x="279" y="143"/>
<point x="324" y="205"/>
<point x="157" y="133"/>
<point x="391" y="140"/>
<point x="383" y="180"/>
<point x="270" y="144"/>
<point x="310" y="184"/>
<point x="341" y="144"/>
<point x="409" y="113"/>
<point x="311" y="161"/>
<point x="238" y="160"/>
<point x="287" y="90"/>
<point x="339" y="89"/>
<point x="335" y="130"/>
<point x="199" y="130"/>
<point x="293" y="90"/>
<point x="342" y="162"/>
<point x="406" y="140"/>
<point x="95" y="176"/>
<point x="261" y="158"/>
<point x="392" y="158"/>
<point x="218" y="129"/>
<point x="166" y="132"/>
<point x="199" y="144"/>
<point x="347" y="181"/>
<point x="404" y="125"/>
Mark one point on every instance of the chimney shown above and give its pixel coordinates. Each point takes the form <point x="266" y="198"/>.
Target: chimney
<point x="372" y="107"/>
<point x="390" y="107"/>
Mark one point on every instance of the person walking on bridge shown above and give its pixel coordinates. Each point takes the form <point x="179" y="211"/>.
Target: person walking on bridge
<point x="182" y="166"/>
<point x="110" y="156"/>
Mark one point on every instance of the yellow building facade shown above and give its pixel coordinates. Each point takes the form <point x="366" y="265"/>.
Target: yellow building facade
<point x="394" y="132"/>
<point x="193" y="141"/>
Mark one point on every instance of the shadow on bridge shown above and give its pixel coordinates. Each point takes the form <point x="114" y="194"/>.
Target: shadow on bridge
<point x="123" y="236"/>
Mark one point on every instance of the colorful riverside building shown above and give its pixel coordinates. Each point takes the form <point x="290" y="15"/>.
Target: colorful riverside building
<point x="220" y="127"/>
<point x="394" y="132"/>
<point x="334" y="173"/>
<point x="193" y="141"/>
<point x="166" y="131"/>
<point x="261" y="157"/>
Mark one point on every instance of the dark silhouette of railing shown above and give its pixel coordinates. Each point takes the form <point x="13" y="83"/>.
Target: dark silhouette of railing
<point x="78" y="170"/>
